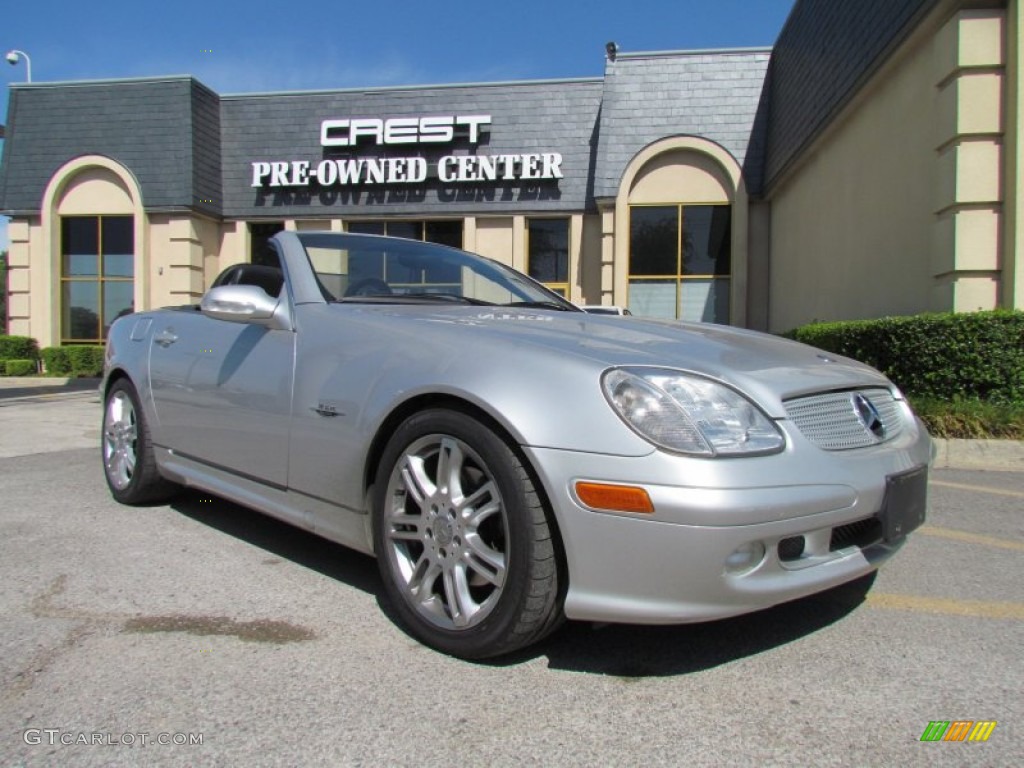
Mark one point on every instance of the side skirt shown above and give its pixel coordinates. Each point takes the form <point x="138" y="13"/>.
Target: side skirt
<point x="341" y="525"/>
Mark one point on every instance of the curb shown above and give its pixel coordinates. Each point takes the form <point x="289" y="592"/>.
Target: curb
<point x="997" y="455"/>
<point x="16" y="388"/>
<point x="23" y="382"/>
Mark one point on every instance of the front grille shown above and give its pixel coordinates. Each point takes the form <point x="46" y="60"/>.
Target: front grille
<point x="859" y="534"/>
<point x="831" y="420"/>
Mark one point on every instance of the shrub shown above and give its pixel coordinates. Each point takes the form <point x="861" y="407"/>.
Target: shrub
<point x="55" y="361"/>
<point x="20" y="367"/>
<point x="85" y="360"/>
<point x="947" y="357"/>
<point x="18" y="348"/>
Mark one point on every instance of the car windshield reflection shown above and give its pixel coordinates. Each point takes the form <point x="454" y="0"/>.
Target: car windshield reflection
<point x="370" y="269"/>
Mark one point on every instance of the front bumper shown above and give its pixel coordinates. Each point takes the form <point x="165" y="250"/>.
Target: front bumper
<point x="671" y="566"/>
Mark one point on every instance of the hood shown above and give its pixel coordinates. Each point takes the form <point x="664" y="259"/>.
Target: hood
<point x="767" y="368"/>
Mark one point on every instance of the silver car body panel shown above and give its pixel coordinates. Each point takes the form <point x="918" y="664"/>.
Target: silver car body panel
<point x="283" y="420"/>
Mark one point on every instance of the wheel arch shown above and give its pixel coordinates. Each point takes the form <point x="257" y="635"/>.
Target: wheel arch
<point x="428" y="401"/>
<point x="114" y="376"/>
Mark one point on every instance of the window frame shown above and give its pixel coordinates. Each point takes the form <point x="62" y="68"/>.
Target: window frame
<point x="680" y="278"/>
<point x="559" y="287"/>
<point x="100" y="279"/>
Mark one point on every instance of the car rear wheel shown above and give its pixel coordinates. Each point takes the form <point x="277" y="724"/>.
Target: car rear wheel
<point x="462" y="538"/>
<point x="128" y="462"/>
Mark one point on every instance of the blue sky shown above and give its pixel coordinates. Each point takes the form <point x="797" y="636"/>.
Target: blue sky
<point x="235" y="46"/>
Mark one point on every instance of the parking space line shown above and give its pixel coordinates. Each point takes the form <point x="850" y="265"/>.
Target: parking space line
<point x="946" y="606"/>
<point x="971" y="538"/>
<point x="979" y="488"/>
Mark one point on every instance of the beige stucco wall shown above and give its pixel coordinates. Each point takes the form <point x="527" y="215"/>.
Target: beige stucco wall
<point x="897" y="209"/>
<point x="681" y="176"/>
<point x="494" y="238"/>
<point x="1013" y="232"/>
<point x="851" y="230"/>
<point x="25" y="236"/>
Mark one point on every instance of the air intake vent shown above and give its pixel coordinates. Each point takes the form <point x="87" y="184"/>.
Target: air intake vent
<point x="859" y="534"/>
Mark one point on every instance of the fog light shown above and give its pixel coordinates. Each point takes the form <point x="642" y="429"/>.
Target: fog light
<point x="744" y="558"/>
<point x="791" y="549"/>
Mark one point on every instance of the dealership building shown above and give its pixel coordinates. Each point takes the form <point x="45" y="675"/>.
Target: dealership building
<point x="866" y="165"/>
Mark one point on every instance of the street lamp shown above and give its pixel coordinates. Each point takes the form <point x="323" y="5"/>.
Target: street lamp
<point x="14" y="56"/>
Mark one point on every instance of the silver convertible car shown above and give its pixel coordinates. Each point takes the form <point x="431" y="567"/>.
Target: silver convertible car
<point x="510" y="460"/>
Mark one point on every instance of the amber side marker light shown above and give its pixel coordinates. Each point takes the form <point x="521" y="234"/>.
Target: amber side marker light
<point x="614" y="498"/>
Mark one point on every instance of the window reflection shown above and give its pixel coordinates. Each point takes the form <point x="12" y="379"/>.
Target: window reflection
<point x="680" y="261"/>
<point x="548" y="253"/>
<point x="97" y="271"/>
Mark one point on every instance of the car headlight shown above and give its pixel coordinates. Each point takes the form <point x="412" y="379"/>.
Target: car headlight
<point x="689" y="414"/>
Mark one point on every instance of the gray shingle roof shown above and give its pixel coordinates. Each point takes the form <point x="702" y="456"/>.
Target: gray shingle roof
<point x="711" y="94"/>
<point x="143" y="124"/>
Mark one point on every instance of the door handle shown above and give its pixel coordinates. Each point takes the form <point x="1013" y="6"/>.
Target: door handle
<point x="165" y="338"/>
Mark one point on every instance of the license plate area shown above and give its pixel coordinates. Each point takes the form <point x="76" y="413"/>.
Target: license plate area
<point x="905" y="503"/>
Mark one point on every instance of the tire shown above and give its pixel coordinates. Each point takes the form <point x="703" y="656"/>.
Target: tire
<point x="468" y="565"/>
<point x="129" y="464"/>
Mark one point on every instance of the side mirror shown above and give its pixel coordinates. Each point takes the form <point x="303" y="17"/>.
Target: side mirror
<point x="243" y="304"/>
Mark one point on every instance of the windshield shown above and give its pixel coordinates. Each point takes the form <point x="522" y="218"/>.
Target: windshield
<point x="373" y="269"/>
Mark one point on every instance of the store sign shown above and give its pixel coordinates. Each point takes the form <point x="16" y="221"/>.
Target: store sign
<point x="396" y="131"/>
<point x="401" y="130"/>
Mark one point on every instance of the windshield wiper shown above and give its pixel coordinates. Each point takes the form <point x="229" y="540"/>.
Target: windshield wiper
<point x="454" y="298"/>
<point x="540" y="305"/>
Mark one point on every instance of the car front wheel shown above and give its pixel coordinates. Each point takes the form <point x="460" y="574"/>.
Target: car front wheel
<point x="462" y="539"/>
<point x="128" y="462"/>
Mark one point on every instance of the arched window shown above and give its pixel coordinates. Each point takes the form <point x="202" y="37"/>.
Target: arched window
<point x="679" y="229"/>
<point x="96" y="249"/>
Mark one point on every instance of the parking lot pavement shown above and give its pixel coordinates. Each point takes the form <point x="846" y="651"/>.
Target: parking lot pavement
<point x="201" y="621"/>
<point x="45" y="418"/>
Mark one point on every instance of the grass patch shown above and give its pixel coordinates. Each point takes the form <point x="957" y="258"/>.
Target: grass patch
<point x="970" y="419"/>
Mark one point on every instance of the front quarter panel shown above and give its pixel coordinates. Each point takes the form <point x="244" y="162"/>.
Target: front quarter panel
<point x="355" y="367"/>
<point x="127" y="354"/>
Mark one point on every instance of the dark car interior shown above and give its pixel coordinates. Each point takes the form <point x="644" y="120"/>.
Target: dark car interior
<point x="270" y="279"/>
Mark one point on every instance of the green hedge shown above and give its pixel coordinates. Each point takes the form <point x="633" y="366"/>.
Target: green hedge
<point x="951" y="356"/>
<point x="73" y="361"/>
<point x="18" y="348"/>
<point x="55" y="361"/>
<point x="19" y="367"/>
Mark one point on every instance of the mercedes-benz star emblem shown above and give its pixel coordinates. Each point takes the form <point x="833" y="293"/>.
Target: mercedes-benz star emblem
<point x="868" y="415"/>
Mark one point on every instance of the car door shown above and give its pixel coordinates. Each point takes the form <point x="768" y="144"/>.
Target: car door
<point x="222" y="392"/>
